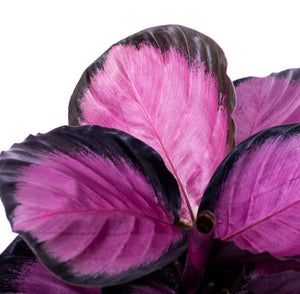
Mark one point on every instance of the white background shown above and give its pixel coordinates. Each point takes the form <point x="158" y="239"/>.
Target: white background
<point x="46" y="45"/>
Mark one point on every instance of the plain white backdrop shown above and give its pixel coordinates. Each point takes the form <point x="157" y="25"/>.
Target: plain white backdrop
<point x="46" y="45"/>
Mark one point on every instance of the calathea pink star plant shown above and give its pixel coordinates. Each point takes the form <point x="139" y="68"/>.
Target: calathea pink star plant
<point x="169" y="178"/>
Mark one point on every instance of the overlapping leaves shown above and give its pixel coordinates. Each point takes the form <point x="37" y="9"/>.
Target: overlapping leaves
<point x="254" y="195"/>
<point x="168" y="87"/>
<point x="90" y="185"/>
<point x="112" y="206"/>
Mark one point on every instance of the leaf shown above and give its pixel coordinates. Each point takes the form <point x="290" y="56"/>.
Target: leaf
<point x="255" y="196"/>
<point x="163" y="281"/>
<point x="222" y="278"/>
<point x="269" y="268"/>
<point x="96" y="205"/>
<point x="284" y="283"/>
<point x="224" y="267"/>
<point x="168" y="87"/>
<point x="228" y="252"/>
<point x="266" y="102"/>
<point x="229" y="267"/>
<point x="22" y="272"/>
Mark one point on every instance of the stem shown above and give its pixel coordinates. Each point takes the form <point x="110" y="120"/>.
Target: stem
<point x="198" y="251"/>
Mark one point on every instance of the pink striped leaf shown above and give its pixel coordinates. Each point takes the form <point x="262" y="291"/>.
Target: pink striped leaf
<point x="96" y="205"/>
<point x="266" y="102"/>
<point x="255" y="193"/>
<point x="22" y="272"/>
<point x="168" y="87"/>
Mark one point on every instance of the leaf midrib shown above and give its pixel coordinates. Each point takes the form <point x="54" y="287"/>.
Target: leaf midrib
<point x="167" y="156"/>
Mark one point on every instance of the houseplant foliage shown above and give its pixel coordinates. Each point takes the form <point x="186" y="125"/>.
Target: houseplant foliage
<point x="159" y="184"/>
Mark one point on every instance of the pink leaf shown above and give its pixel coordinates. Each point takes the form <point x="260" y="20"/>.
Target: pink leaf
<point x="168" y="87"/>
<point x="266" y="102"/>
<point x="22" y="272"/>
<point x="97" y="206"/>
<point x="255" y="196"/>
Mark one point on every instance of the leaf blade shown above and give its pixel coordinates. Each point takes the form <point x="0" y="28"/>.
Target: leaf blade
<point x="86" y="186"/>
<point x="168" y="87"/>
<point x="266" y="102"/>
<point x="22" y="272"/>
<point x="256" y="189"/>
<point x="163" y="281"/>
<point x="285" y="282"/>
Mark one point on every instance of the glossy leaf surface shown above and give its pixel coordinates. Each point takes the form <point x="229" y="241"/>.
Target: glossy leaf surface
<point x="255" y="193"/>
<point x="97" y="206"/>
<point x="22" y="272"/>
<point x="284" y="283"/>
<point x="168" y="87"/>
<point x="266" y="102"/>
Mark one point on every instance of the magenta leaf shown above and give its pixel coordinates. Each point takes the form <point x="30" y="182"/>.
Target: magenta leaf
<point x="22" y="272"/>
<point x="168" y="87"/>
<point x="96" y="205"/>
<point x="287" y="282"/>
<point x="255" y="196"/>
<point x="163" y="281"/>
<point x="266" y="102"/>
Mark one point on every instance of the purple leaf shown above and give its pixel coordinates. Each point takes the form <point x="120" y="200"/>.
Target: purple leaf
<point x="229" y="252"/>
<point x="255" y="196"/>
<point x="163" y="281"/>
<point x="229" y="267"/>
<point x="266" y="102"/>
<point x="221" y="271"/>
<point x="269" y="268"/>
<point x="168" y="87"/>
<point x="97" y="206"/>
<point x="22" y="272"/>
<point x="284" y="283"/>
